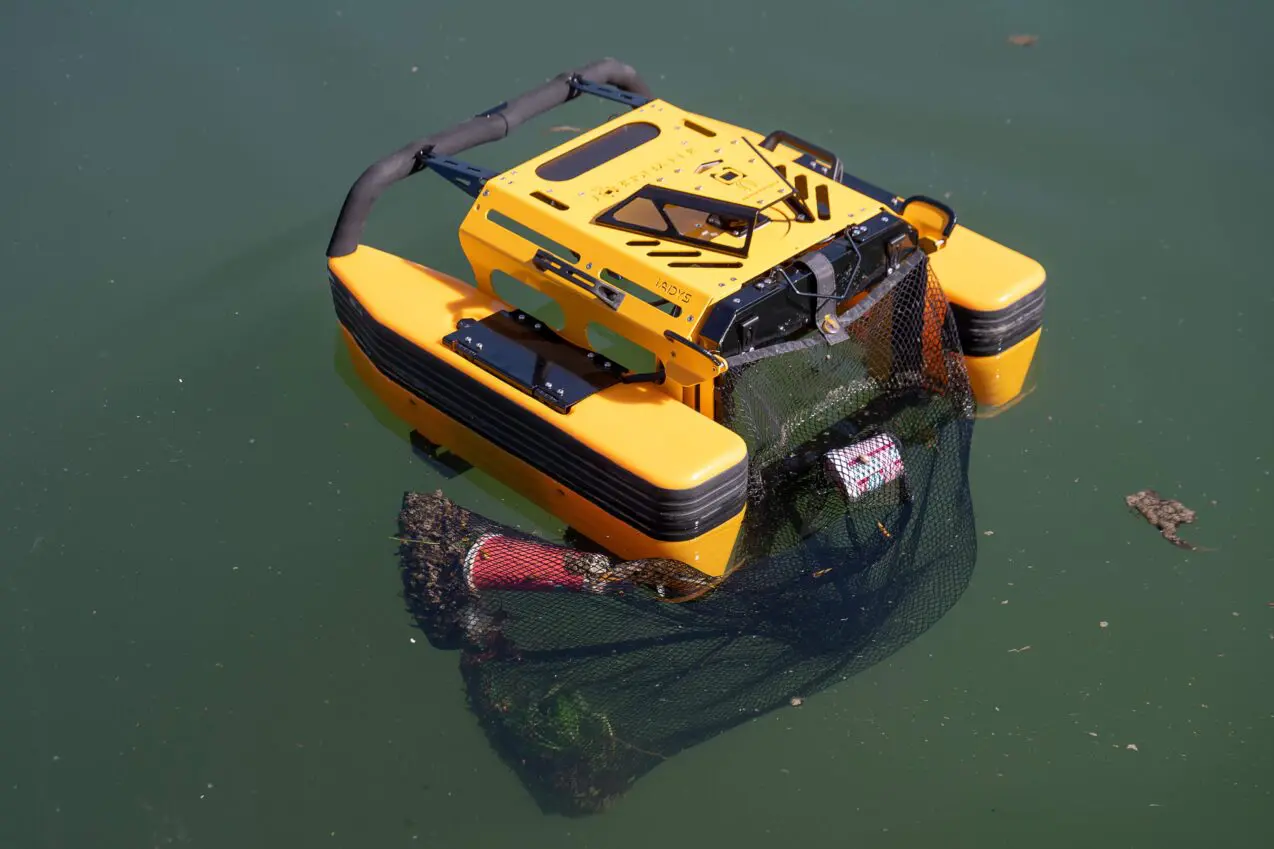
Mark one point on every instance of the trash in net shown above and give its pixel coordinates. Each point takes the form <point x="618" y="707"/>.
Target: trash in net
<point x="587" y="671"/>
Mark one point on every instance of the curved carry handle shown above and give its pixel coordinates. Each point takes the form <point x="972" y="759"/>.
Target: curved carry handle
<point x="492" y="125"/>
<point x="946" y="210"/>
<point x="772" y="140"/>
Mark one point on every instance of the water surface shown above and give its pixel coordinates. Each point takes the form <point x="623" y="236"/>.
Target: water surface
<point x="201" y="634"/>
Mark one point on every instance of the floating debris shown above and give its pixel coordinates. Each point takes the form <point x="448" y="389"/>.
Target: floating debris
<point x="796" y="701"/>
<point x="1023" y="40"/>
<point x="1164" y="513"/>
<point x="564" y="128"/>
<point x="1103" y="624"/>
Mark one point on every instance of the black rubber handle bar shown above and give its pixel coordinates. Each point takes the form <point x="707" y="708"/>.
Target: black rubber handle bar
<point x="492" y="125"/>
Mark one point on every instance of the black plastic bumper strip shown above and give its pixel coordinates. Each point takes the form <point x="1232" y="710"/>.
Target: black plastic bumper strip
<point x="991" y="332"/>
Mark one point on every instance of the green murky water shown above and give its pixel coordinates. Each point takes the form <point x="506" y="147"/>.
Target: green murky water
<point x="201" y="639"/>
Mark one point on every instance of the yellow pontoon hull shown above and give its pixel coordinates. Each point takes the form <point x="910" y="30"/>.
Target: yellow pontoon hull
<point x="630" y="467"/>
<point x="997" y="295"/>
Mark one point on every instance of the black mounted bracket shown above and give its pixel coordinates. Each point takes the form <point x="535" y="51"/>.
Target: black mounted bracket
<point x="604" y="292"/>
<point x="468" y="178"/>
<point x="579" y="86"/>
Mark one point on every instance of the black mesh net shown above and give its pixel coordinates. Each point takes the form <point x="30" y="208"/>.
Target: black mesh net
<point x="587" y="671"/>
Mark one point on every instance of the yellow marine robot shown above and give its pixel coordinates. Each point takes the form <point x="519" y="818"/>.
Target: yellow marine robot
<point x="703" y="246"/>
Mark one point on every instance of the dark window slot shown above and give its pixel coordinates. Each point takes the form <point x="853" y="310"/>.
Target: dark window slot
<point x="689" y="219"/>
<point x="822" y="201"/>
<point x="590" y="154"/>
<point x="533" y="236"/>
<point x="640" y="292"/>
<point x="551" y="201"/>
<point x="527" y="298"/>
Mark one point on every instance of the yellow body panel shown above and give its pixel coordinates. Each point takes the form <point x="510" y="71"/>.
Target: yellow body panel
<point x="670" y="160"/>
<point x="982" y="275"/>
<point x="689" y="153"/>
<point x="998" y="379"/>
<point x="637" y="427"/>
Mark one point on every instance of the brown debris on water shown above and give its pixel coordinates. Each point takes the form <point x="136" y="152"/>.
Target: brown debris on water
<point x="433" y="533"/>
<point x="1164" y="513"/>
<point x="1023" y="40"/>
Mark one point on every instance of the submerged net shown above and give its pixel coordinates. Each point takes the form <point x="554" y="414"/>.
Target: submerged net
<point x="587" y="671"/>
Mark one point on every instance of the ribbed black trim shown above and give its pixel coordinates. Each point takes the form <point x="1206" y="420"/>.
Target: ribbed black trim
<point x="987" y="333"/>
<point x="661" y="514"/>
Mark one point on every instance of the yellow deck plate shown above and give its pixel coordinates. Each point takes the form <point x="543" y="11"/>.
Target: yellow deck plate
<point x="675" y="151"/>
